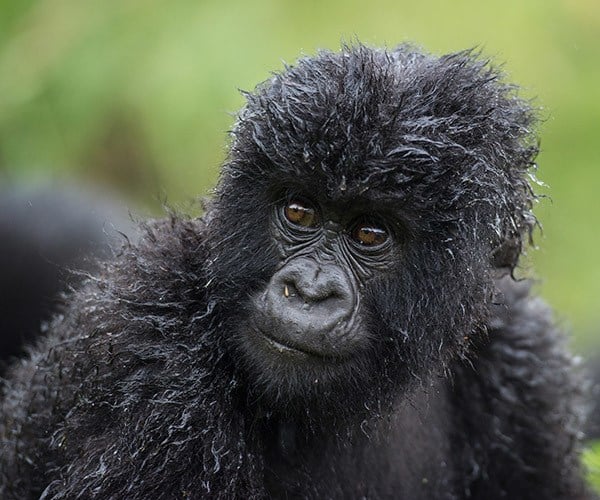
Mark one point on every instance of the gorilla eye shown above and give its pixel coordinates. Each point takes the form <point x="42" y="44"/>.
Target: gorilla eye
<point x="300" y="213"/>
<point x="369" y="234"/>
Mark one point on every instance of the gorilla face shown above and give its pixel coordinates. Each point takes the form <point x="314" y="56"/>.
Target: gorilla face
<point x="346" y="297"/>
<point x="308" y="325"/>
<point x="311" y="310"/>
<point x="311" y="307"/>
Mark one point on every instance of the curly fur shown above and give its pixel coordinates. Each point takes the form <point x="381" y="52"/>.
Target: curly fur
<point x="141" y="390"/>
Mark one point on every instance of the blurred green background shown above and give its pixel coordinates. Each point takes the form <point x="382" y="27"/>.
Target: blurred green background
<point x="138" y="95"/>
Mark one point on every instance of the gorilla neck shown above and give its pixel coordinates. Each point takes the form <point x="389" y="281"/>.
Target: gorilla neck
<point x="300" y="454"/>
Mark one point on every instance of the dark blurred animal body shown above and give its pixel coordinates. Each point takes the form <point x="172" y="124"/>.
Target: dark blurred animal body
<point x="49" y="238"/>
<point x="341" y="323"/>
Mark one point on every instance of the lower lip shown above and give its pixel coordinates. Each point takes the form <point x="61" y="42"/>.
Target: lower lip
<point x="282" y="348"/>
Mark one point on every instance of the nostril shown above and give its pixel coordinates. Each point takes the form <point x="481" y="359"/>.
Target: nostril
<point x="303" y="293"/>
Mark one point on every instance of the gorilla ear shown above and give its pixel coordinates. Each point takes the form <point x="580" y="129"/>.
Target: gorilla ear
<point x="510" y="248"/>
<point x="507" y="254"/>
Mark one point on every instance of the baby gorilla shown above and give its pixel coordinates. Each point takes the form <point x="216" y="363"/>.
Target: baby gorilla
<point x="341" y="323"/>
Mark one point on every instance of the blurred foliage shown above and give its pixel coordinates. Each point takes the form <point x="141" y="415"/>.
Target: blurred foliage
<point x="591" y="461"/>
<point x="139" y="95"/>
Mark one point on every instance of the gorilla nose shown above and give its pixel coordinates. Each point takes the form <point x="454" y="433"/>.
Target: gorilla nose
<point x="312" y="282"/>
<point x="310" y="296"/>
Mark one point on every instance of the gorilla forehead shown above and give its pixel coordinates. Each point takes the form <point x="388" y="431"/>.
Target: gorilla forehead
<point x="371" y="119"/>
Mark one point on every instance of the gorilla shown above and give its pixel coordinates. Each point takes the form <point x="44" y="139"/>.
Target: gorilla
<point x="342" y="322"/>
<point x="50" y="238"/>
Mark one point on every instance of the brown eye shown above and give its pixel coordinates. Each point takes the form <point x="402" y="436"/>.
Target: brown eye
<point x="369" y="235"/>
<point x="300" y="213"/>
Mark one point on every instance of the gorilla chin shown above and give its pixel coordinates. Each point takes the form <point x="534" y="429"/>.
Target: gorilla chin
<point x="276" y="355"/>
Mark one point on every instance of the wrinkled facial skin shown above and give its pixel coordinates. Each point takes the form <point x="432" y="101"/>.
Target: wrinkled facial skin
<point x="311" y="308"/>
<point x="307" y="325"/>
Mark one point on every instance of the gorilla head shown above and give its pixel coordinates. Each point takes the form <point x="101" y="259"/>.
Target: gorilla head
<point x="368" y="201"/>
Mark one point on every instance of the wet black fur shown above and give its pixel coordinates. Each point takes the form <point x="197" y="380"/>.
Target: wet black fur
<point x="467" y="391"/>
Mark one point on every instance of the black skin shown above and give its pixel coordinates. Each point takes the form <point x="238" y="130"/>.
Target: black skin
<point x="341" y="323"/>
<point x="311" y="307"/>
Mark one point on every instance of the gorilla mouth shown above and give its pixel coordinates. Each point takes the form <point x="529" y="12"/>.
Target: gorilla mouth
<point x="283" y="347"/>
